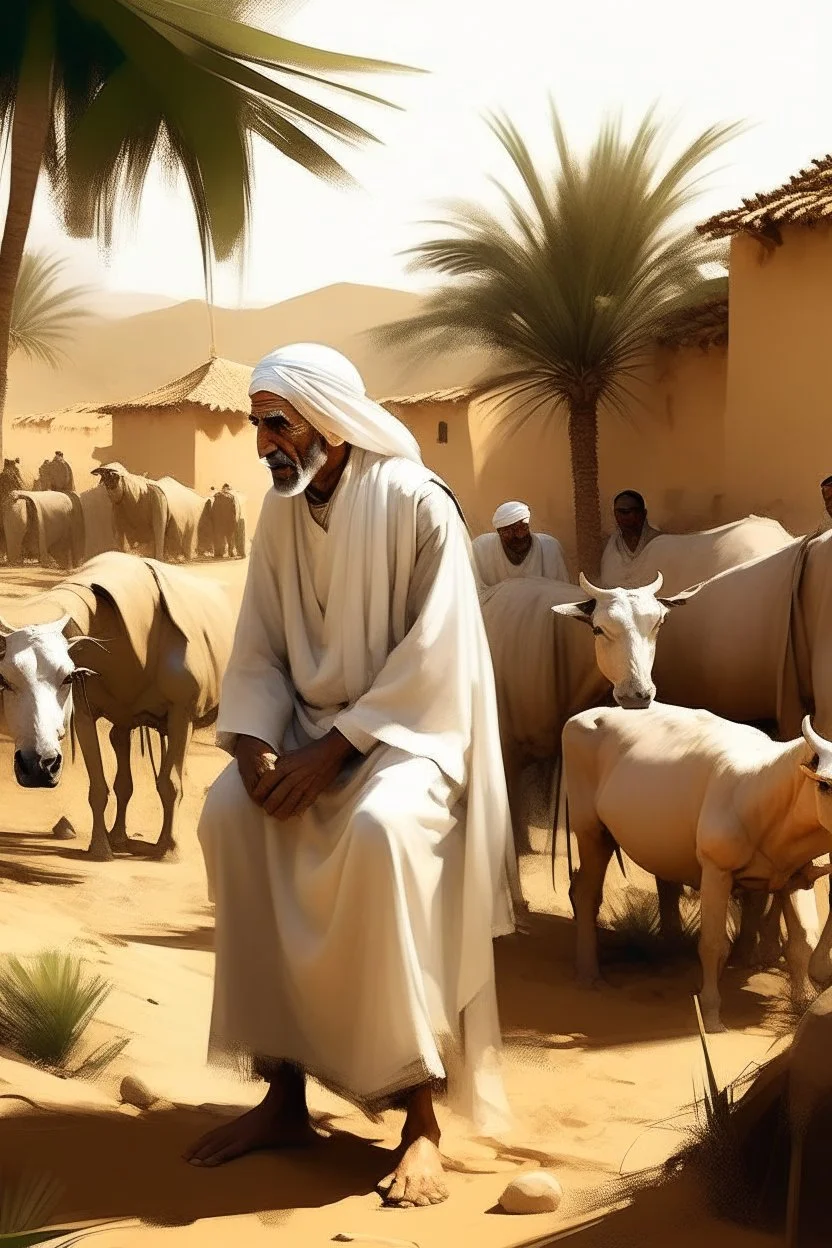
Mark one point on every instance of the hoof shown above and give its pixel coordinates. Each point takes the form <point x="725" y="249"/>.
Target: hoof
<point x="152" y="851"/>
<point x="99" y="853"/>
<point x="714" y="1026"/>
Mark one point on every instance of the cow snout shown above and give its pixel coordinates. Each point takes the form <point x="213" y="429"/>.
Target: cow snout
<point x="636" y="699"/>
<point x="37" y="771"/>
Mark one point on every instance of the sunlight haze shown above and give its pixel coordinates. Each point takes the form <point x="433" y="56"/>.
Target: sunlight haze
<point x="702" y="64"/>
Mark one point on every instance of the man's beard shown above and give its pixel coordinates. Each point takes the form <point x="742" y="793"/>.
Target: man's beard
<point x="296" y="481"/>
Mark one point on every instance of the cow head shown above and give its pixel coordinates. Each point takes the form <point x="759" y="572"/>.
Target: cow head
<point x="112" y="478"/>
<point x="626" y="624"/>
<point x="37" y="674"/>
<point x="819" y="771"/>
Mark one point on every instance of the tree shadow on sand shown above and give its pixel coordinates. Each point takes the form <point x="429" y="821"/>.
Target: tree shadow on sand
<point x="114" y="1166"/>
<point x="18" y="847"/>
<point x="540" y="1002"/>
<point x="198" y="939"/>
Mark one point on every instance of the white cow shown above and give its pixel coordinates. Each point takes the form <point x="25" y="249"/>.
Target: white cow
<point x="702" y="801"/>
<point x="546" y="670"/>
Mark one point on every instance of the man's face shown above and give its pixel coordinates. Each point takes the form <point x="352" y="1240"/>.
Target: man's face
<point x="294" y="452"/>
<point x="826" y="491"/>
<point x="629" y="515"/>
<point x="516" y="539"/>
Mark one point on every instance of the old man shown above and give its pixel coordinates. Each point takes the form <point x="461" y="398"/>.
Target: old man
<point x="514" y="550"/>
<point x="358" y="848"/>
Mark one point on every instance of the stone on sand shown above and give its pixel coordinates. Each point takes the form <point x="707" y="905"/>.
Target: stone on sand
<point x="63" y="830"/>
<point x="535" y="1192"/>
<point x="134" y="1092"/>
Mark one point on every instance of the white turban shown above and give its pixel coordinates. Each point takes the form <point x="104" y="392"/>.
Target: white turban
<point x="327" y="390"/>
<point x="510" y="513"/>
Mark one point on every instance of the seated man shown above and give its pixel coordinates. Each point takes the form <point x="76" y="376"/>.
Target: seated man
<point x="513" y="550"/>
<point x="826" y="495"/>
<point x="358" y="848"/>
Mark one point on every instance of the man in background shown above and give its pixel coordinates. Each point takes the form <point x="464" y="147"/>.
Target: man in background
<point x="512" y="550"/>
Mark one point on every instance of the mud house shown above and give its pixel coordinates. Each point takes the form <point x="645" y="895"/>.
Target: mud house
<point x="778" y="433"/>
<point x="195" y="429"/>
<point x="76" y="431"/>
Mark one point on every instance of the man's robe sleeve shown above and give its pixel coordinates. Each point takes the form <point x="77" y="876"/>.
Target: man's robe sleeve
<point x="256" y="698"/>
<point x="554" y="564"/>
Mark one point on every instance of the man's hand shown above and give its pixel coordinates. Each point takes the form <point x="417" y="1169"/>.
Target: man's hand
<point x="289" y="785"/>
<point x="255" y="760"/>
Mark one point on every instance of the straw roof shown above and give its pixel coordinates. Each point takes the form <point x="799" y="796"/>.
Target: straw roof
<point x="219" y="385"/>
<point x="80" y="418"/>
<point x="704" y="325"/>
<point x="458" y="394"/>
<point x="806" y="199"/>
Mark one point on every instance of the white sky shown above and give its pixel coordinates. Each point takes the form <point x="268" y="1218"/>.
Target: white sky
<point x="708" y="61"/>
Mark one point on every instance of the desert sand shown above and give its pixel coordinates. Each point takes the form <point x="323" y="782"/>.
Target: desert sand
<point x="600" y="1082"/>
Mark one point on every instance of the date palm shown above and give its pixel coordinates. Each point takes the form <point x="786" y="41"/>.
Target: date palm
<point x="93" y="91"/>
<point x="569" y="286"/>
<point x="44" y="310"/>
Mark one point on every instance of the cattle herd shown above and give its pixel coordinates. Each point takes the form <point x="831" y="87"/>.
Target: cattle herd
<point x="689" y="713"/>
<point x="56" y="526"/>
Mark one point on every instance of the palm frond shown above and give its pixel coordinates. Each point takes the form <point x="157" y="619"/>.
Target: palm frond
<point x="45" y="311"/>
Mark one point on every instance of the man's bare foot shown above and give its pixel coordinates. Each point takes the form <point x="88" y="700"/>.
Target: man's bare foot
<point x="281" y="1120"/>
<point x="419" y="1178"/>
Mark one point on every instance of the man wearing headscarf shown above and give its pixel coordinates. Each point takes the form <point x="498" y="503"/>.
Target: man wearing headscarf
<point x="513" y="550"/>
<point x="359" y="847"/>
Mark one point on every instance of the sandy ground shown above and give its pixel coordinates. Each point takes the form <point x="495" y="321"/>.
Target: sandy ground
<point x="599" y="1082"/>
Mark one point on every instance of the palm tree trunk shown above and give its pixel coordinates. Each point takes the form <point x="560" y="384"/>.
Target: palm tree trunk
<point x="583" y="448"/>
<point x="30" y="127"/>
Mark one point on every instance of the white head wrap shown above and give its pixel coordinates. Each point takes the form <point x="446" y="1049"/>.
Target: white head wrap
<point x="510" y="513"/>
<point x="328" y="391"/>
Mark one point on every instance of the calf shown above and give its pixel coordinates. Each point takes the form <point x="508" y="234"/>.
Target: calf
<point x="698" y="800"/>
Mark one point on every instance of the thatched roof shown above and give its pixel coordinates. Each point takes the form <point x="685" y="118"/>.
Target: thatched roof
<point x="806" y="199"/>
<point x="80" y="418"/>
<point x="218" y="386"/>
<point x="704" y="325"/>
<point x="458" y="394"/>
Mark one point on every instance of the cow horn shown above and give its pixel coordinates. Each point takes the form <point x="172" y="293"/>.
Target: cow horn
<point x="814" y="739"/>
<point x="592" y="590"/>
<point x="6" y="629"/>
<point x="656" y="585"/>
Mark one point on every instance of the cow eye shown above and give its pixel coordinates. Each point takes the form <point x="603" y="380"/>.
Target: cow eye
<point x="67" y="680"/>
<point x="824" y="786"/>
<point x="4" y="685"/>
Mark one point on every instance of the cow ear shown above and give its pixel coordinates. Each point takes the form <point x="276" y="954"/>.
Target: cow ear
<point x="679" y="600"/>
<point x="581" y="611"/>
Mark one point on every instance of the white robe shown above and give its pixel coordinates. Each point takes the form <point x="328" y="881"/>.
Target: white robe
<point x="617" y="561"/>
<point x="544" y="559"/>
<point x="356" y="940"/>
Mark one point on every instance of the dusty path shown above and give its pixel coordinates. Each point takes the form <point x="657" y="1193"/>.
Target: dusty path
<point x="588" y="1074"/>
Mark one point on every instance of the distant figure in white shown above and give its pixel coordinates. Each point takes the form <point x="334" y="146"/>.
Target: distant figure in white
<point x="633" y="533"/>
<point x="358" y="848"/>
<point x="513" y="550"/>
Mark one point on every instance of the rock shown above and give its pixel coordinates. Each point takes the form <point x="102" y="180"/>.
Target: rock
<point x="134" y="1092"/>
<point x="63" y="830"/>
<point x="535" y="1192"/>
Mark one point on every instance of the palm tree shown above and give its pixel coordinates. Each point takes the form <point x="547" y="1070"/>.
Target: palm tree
<point x="92" y="91"/>
<point x="44" y="311"/>
<point x="570" y="289"/>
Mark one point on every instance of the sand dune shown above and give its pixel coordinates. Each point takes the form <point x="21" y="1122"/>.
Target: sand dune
<point x="121" y="356"/>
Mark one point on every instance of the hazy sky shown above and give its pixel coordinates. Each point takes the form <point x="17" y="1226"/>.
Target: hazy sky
<point x="704" y="62"/>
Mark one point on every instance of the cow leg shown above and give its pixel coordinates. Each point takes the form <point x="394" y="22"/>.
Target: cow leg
<point x="513" y="765"/>
<point x="800" y="910"/>
<point x="769" y="947"/>
<point x="169" y="783"/>
<point x="120" y="737"/>
<point x="752" y="909"/>
<point x="595" y="847"/>
<point x="670" y="918"/>
<point x="715" y="893"/>
<point x="85" y="730"/>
